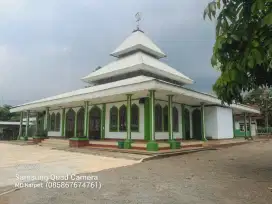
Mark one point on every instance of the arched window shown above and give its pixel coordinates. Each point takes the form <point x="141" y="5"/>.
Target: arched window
<point x="134" y="118"/>
<point x="113" y="119"/>
<point x="123" y="118"/>
<point x="175" y="120"/>
<point x="158" y="118"/>
<point x="58" y="122"/>
<point x="80" y="122"/>
<point x="70" y="123"/>
<point x="53" y="119"/>
<point x="165" y="119"/>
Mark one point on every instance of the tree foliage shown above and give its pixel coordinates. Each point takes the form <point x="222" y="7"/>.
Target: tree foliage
<point x="261" y="97"/>
<point x="6" y="115"/>
<point x="243" y="47"/>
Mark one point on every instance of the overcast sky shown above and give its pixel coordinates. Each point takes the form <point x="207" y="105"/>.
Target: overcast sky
<point x="47" y="46"/>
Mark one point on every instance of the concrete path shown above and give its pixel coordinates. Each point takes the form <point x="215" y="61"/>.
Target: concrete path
<point x="17" y="161"/>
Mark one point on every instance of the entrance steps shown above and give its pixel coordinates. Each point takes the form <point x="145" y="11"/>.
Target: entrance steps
<point x="57" y="143"/>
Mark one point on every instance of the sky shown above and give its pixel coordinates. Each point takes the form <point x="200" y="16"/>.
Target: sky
<point x="47" y="46"/>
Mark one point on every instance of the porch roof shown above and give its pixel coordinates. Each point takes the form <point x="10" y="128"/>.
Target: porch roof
<point x="138" y="86"/>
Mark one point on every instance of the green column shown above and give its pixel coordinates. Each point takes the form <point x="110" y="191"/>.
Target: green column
<point x="103" y="121"/>
<point x="75" y="134"/>
<point x="21" y="125"/>
<point x="127" y="144"/>
<point x="233" y="124"/>
<point x="27" y="125"/>
<point x="245" y="125"/>
<point x="203" y="123"/>
<point x="250" y="126"/>
<point x="183" y="121"/>
<point x="86" y="110"/>
<point x="152" y="145"/>
<point x="47" y="119"/>
<point x="170" y="117"/>
<point x="63" y="121"/>
<point x="37" y="124"/>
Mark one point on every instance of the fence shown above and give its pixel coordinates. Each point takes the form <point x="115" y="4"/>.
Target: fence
<point x="264" y="130"/>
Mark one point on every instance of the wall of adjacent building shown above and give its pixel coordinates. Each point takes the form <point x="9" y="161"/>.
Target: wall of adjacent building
<point x="225" y="123"/>
<point x="211" y="122"/>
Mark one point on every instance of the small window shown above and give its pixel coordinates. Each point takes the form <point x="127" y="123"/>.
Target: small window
<point x="158" y="118"/>
<point x="134" y="118"/>
<point x="53" y="119"/>
<point x="113" y="119"/>
<point x="58" y="122"/>
<point x="241" y="127"/>
<point x="175" y="120"/>
<point x="123" y="118"/>
<point x="165" y="119"/>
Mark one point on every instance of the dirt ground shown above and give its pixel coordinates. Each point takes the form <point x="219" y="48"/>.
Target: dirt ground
<point x="235" y="175"/>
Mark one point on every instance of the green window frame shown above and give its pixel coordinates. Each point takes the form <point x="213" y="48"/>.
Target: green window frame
<point x="123" y="118"/>
<point x="134" y="118"/>
<point x="158" y="118"/>
<point x="113" y="119"/>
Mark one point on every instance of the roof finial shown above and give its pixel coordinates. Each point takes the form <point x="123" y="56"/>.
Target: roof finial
<point x="138" y="17"/>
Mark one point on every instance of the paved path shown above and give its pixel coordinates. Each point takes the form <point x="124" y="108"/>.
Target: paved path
<point x="236" y="175"/>
<point x="38" y="161"/>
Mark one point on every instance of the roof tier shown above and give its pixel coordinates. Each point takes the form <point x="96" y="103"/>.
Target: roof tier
<point x="138" y="41"/>
<point x="138" y="61"/>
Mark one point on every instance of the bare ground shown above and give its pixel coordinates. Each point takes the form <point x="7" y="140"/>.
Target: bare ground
<point x="241" y="174"/>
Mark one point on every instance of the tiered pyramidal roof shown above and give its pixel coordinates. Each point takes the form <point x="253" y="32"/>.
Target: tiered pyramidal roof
<point x="137" y="55"/>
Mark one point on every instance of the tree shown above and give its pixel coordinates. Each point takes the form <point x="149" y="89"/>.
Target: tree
<point x="263" y="99"/>
<point x="243" y="47"/>
<point x="6" y="115"/>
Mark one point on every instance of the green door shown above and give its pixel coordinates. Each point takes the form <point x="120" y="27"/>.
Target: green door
<point x="197" y="133"/>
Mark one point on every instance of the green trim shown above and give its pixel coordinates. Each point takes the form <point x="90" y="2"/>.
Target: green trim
<point x="203" y="131"/>
<point x="127" y="144"/>
<point x="183" y="121"/>
<point x="86" y="110"/>
<point x="233" y="124"/>
<point x="152" y="114"/>
<point x="103" y="122"/>
<point x="170" y="117"/>
<point x="47" y="119"/>
<point x="21" y="125"/>
<point x="174" y="144"/>
<point x="147" y="135"/>
<point x="245" y="125"/>
<point x="27" y="124"/>
<point x="75" y="130"/>
<point x="79" y="138"/>
<point x="128" y="124"/>
<point x="64" y="122"/>
<point x="152" y="146"/>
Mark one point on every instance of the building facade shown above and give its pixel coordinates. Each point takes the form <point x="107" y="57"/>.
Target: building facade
<point x="136" y="97"/>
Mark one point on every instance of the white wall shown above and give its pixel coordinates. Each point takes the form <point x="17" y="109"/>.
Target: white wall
<point x="211" y="122"/>
<point x="165" y="135"/>
<point x="123" y="135"/>
<point x="225" y="123"/>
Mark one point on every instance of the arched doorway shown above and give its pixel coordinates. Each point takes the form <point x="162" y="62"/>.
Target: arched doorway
<point x="70" y="123"/>
<point x="197" y="133"/>
<point x="95" y="123"/>
<point x="80" y="122"/>
<point x="187" y="123"/>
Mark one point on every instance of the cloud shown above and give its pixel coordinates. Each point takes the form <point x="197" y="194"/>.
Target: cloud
<point x="47" y="46"/>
